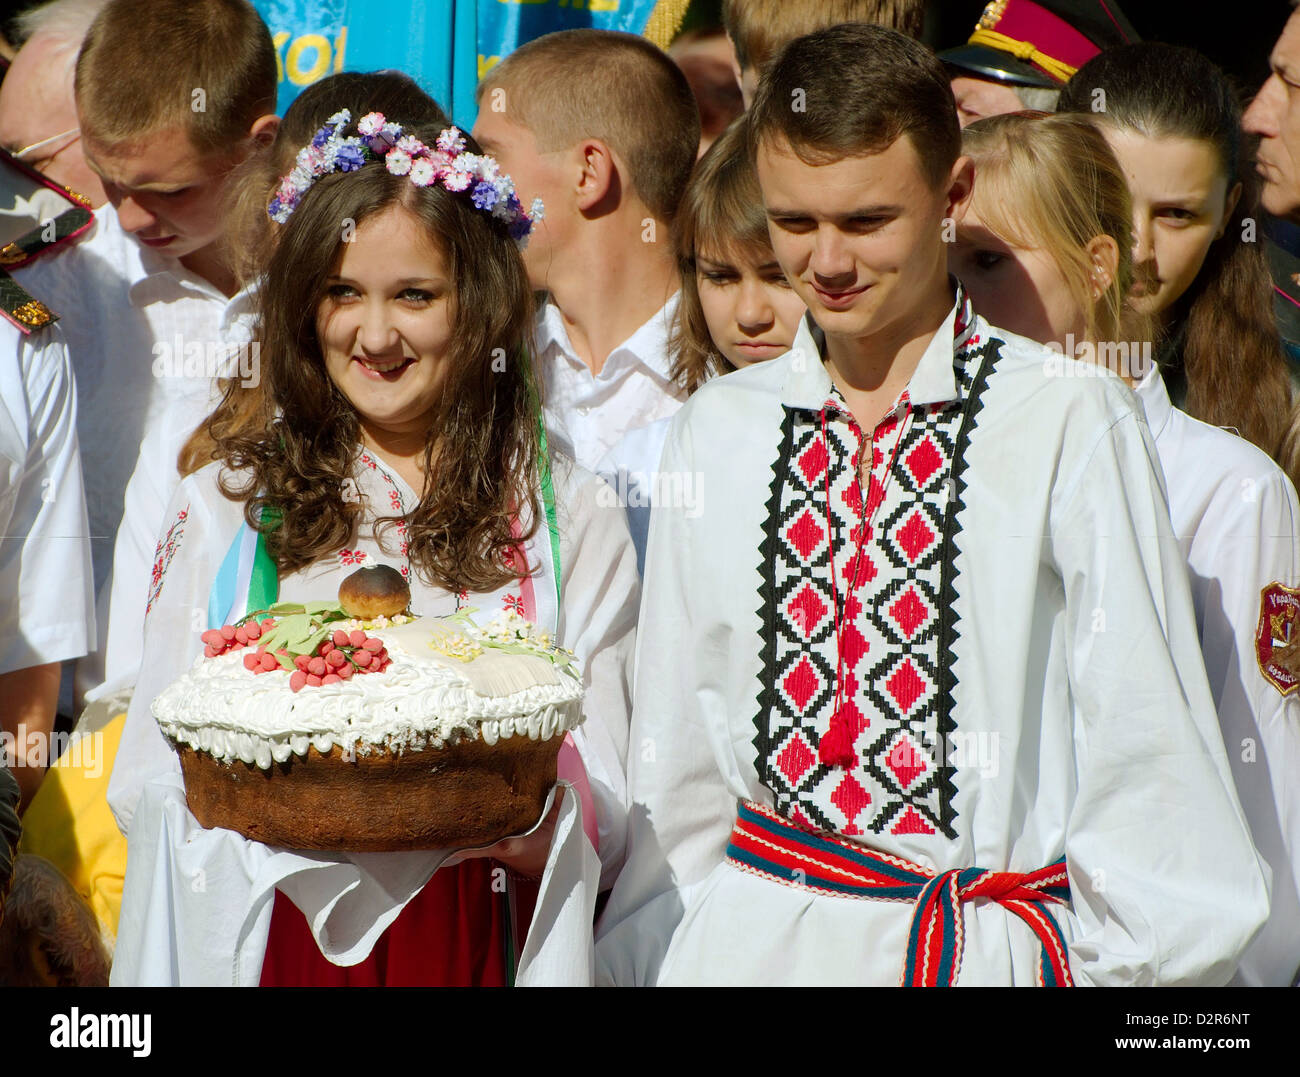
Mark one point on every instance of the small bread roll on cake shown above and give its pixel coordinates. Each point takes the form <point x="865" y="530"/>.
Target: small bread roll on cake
<point x="376" y="591"/>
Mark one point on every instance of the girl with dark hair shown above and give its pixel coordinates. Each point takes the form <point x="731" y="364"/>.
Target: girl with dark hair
<point x="1174" y="122"/>
<point x="1045" y="244"/>
<point x="403" y="428"/>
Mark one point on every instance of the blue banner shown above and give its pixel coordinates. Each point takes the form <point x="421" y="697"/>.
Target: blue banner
<point x="445" y="45"/>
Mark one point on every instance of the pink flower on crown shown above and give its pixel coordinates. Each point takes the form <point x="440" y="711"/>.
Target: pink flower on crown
<point x="422" y="173"/>
<point x="398" y="162"/>
<point x="451" y="142"/>
<point x="410" y="144"/>
<point x="457" y="181"/>
<point x="371" y="123"/>
<point x="288" y="191"/>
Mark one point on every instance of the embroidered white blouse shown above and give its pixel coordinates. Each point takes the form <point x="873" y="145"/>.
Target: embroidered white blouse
<point x="1021" y="674"/>
<point x="158" y="941"/>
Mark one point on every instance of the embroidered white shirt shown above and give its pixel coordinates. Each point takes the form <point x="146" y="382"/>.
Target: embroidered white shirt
<point x="1236" y="517"/>
<point x="46" y="604"/>
<point x="587" y="414"/>
<point x="1066" y="711"/>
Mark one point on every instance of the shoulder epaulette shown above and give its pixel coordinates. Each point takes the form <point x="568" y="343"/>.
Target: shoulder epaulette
<point x="21" y="308"/>
<point x="71" y="222"/>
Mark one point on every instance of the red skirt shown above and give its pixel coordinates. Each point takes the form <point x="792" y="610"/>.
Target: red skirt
<point x="451" y="934"/>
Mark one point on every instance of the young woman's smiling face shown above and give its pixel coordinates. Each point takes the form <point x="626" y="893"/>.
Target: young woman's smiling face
<point x="385" y="322"/>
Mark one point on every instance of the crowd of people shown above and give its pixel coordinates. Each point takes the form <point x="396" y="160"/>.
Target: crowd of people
<point x="904" y="442"/>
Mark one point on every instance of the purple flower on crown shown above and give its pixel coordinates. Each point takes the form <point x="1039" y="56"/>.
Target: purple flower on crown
<point x="484" y="195"/>
<point x="321" y="137"/>
<point x="422" y="173"/>
<point x="519" y="229"/>
<point x="350" y="156"/>
<point x="451" y="142"/>
<point x="398" y="162"/>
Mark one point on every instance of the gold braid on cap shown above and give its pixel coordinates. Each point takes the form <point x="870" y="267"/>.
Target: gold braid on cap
<point x="1023" y="50"/>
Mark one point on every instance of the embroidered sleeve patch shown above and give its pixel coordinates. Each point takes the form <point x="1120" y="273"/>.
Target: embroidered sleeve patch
<point x="1277" y="637"/>
<point x="162" y="556"/>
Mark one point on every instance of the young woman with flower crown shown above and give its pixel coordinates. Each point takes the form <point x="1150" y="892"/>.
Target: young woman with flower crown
<point x="394" y="341"/>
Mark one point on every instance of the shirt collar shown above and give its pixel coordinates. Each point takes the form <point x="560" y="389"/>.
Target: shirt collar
<point x="149" y="273"/>
<point x="648" y="346"/>
<point x="1155" y="400"/>
<point x="808" y="382"/>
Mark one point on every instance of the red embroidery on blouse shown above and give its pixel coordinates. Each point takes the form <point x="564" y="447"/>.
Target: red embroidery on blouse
<point x="163" y="555"/>
<point x="395" y="500"/>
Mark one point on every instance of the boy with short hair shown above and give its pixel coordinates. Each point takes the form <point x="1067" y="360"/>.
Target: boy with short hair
<point x="603" y="128"/>
<point x="171" y="96"/>
<point x="759" y="29"/>
<point x="930" y="639"/>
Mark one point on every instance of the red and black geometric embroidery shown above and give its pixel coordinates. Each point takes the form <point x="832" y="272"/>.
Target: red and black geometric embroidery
<point x="898" y="625"/>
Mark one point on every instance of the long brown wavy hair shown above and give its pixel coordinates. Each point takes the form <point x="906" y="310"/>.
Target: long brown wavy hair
<point x="1232" y="355"/>
<point x="484" y="433"/>
<point x="251" y="235"/>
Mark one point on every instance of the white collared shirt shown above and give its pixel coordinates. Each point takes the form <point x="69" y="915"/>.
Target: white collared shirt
<point x="1237" y="520"/>
<point x="588" y="414"/>
<point x="131" y="318"/>
<point x="46" y="605"/>
<point x="1054" y="703"/>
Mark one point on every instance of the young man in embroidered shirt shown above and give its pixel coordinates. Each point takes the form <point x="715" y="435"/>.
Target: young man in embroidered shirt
<point x="603" y="128"/>
<point x="171" y="96"/>
<point x="951" y="652"/>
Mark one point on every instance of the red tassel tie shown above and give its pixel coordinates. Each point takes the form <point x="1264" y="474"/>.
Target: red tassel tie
<point x="836" y="746"/>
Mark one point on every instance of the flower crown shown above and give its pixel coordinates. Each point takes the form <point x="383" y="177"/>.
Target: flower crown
<point x="445" y="163"/>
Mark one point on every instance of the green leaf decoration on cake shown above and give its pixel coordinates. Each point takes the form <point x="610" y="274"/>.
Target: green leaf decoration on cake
<point x="299" y="628"/>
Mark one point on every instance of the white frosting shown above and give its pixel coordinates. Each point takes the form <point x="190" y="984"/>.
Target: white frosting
<point x="229" y="712"/>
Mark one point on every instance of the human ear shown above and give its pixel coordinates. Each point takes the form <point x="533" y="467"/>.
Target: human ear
<point x="1103" y="253"/>
<point x="960" y="188"/>
<point x="1229" y="204"/>
<point x="262" y="133"/>
<point x="597" y="173"/>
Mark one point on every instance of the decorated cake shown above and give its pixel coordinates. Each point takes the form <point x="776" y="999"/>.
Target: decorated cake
<point x="357" y="726"/>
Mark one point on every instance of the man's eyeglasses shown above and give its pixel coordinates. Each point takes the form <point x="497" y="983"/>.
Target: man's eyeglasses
<point x="30" y="154"/>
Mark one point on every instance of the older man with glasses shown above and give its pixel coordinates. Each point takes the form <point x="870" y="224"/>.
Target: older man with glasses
<point x="38" y="114"/>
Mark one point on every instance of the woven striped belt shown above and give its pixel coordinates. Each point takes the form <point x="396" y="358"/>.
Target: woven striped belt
<point x="764" y="843"/>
